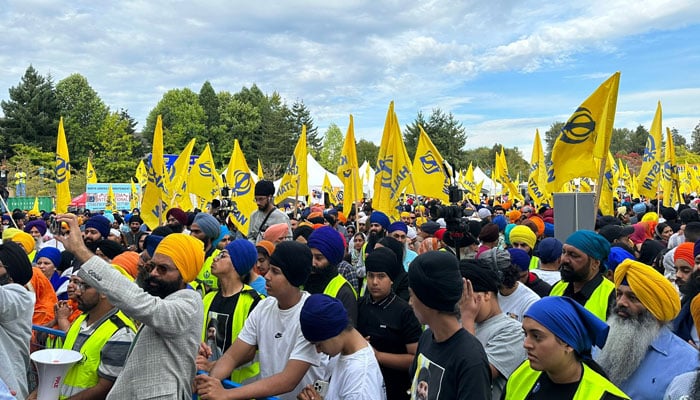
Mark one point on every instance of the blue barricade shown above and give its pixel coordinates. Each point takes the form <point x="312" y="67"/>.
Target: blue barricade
<point x="229" y="384"/>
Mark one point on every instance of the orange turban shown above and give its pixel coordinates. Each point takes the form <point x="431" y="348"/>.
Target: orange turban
<point x="128" y="260"/>
<point x="514" y="216"/>
<point x="539" y="223"/>
<point x="652" y="289"/>
<point x="25" y="240"/>
<point x="695" y="311"/>
<point x="186" y="252"/>
<point x="276" y="232"/>
<point x="684" y="251"/>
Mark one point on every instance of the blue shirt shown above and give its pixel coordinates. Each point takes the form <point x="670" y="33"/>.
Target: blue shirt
<point x="259" y="285"/>
<point x="408" y="257"/>
<point x="668" y="356"/>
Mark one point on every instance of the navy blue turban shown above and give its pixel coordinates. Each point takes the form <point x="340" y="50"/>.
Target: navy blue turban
<point x="322" y="317"/>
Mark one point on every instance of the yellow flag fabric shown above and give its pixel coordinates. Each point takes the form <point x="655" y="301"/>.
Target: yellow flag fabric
<point x="295" y="181"/>
<point x="670" y="172"/>
<point x="35" y="208"/>
<point x="141" y="174"/>
<point x="328" y="188"/>
<point x="239" y="179"/>
<point x="62" y="170"/>
<point x="177" y="182"/>
<point x="393" y="168"/>
<point x="429" y="173"/>
<point x="90" y="174"/>
<point x="501" y="175"/>
<point x="203" y="180"/>
<point x="134" y="197"/>
<point x="650" y="173"/>
<point x="537" y="180"/>
<point x="605" y="203"/>
<point x="111" y="203"/>
<point x="585" y="136"/>
<point x="152" y="205"/>
<point x="477" y="196"/>
<point x="470" y="186"/>
<point x="348" y="170"/>
<point x="261" y="176"/>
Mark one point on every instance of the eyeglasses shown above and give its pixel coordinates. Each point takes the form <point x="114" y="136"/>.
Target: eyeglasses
<point x="161" y="269"/>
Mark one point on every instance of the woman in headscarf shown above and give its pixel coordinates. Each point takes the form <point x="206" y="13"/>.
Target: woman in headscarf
<point x="47" y="260"/>
<point x="663" y="232"/>
<point x="559" y="335"/>
<point x="358" y="240"/>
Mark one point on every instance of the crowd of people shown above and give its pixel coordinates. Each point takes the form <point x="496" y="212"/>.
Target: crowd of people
<point x="467" y="301"/>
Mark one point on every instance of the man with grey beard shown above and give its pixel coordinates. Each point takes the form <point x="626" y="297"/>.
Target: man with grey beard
<point x="642" y="355"/>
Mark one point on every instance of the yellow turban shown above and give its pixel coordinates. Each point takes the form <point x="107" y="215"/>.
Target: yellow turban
<point x="25" y="240"/>
<point x="523" y="234"/>
<point x="652" y="289"/>
<point x="695" y="311"/>
<point x="186" y="252"/>
<point x="650" y="217"/>
<point x="405" y="214"/>
<point x="9" y="233"/>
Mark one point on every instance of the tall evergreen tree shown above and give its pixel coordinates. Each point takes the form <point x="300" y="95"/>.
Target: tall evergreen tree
<point x="210" y="103"/>
<point x="695" y="137"/>
<point x="300" y="115"/>
<point x="447" y="134"/>
<point x="329" y="156"/>
<point x="31" y="114"/>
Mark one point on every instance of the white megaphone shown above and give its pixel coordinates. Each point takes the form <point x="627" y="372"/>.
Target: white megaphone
<point x="51" y="366"/>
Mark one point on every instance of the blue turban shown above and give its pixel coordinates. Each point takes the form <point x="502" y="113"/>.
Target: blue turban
<point x="39" y="224"/>
<point x="570" y="322"/>
<point x="380" y="218"/>
<point x="500" y="220"/>
<point x="243" y="255"/>
<point x="506" y="232"/>
<point x="208" y="224"/>
<point x="548" y="230"/>
<point x="520" y="258"/>
<point x="329" y="242"/>
<point x="322" y="317"/>
<point x="151" y="242"/>
<point x="617" y="255"/>
<point x="398" y="226"/>
<point x="591" y="243"/>
<point x="51" y="253"/>
<point x="99" y="222"/>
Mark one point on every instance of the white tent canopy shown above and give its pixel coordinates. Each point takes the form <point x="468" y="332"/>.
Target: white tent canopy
<point x="315" y="175"/>
<point x="489" y="185"/>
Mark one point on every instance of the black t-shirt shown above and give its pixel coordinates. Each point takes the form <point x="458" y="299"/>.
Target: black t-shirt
<point x="220" y="319"/>
<point x="390" y="325"/>
<point x="455" y="369"/>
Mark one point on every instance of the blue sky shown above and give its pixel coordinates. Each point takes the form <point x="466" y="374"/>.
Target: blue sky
<point x="502" y="68"/>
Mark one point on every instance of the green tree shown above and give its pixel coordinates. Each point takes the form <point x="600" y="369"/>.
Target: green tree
<point x="678" y="139"/>
<point x="300" y="115"/>
<point x="115" y="142"/>
<point x="31" y="159"/>
<point x="695" y="137"/>
<point x="550" y="136"/>
<point x="278" y="137"/>
<point x="237" y="120"/>
<point x="183" y="119"/>
<point x="83" y="114"/>
<point x="638" y="139"/>
<point x="367" y="151"/>
<point x="329" y="156"/>
<point x="447" y="134"/>
<point x="31" y="114"/>
<point x="210" y="104"/>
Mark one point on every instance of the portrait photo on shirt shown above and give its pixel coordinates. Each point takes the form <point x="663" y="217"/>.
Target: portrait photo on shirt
<point x="427" y="380"/>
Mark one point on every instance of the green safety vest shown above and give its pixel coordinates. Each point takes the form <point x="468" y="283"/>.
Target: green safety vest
<point x="335" y="284"/>
<point x="240" y="314"/>
<point x="598" y="303"/>
<point x="83" y="374"/>
<point x="592" y="385"/>
<point x="205" y="279"/>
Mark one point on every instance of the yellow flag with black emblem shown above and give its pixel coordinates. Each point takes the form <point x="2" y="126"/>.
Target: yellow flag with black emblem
<point x="62" y="171"/>
<point x="141" y="174"/>
<point x="473" y="192"/>
<point x="606" y="204"/>
<point x="177" y="184"/>
<point x="501" y="176"/>
<point x="90" y="174"/>
<point x="328" y="188"/>
<point x="240" y="183"/>
<point x="155" y="192"/>
<point x="111" y="203"/>
<point x="670" y="172"/>
<point x="585" y="136"/>
<point x="261" y="175"/>
<point x="349" y="170"/>
<point x="295" y="181"/>
<point x="649" y="178"/>
<point x="537" y="179"/>
<point x="203" y="179"/>
<point x="429" y="171"/>
<point x="134" y="196"/>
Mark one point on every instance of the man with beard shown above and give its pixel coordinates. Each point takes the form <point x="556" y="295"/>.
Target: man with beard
<point x="266" y="214"/>
<point x="96" y="228"/>
<point x="328" y="248"/>
<point x="642" y="355"/>
<point x="132" y="236"/>
<point x="207" y="229"/>
<point x="176" y="219"/>
<point x="378" y="224"/>
<point x="161" y="361"/>
<point x="103" y="334"/>
<point x="582" y="267"/>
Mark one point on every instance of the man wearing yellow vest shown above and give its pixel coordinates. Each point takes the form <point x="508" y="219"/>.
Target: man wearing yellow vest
<point x="226" y="309"/>
<point x="206" y="228"/>
<point x="103" y="335"/>
<point x="328" y="248"/>
<point x="20" y="183"/>
<point x="582" y="267"/>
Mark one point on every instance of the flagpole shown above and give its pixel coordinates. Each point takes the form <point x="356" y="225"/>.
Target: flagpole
<point x="599" y="188"/>
<point x="296" y="196"/>
<point x="8" y="210"/>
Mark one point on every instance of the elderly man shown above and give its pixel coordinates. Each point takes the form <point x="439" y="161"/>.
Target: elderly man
<point x="642" y="355"/>
<point x="582" y="267"/>
<point x="161" y="362"/>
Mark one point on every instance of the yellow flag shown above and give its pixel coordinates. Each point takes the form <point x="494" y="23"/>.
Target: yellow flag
<point x="35" y="208"/>
<point x="111" y="203"/>
<point x="62" y="170"/>
<point x="328" y="188"/>
<point x="177" y="182"/>
<point x="393" y="168"/>
<point x="239" y="179"/>
<point x="90" y="174"/>
<point x="477" y="196"/>
<point x="585" y="136"/>
<point x="429" y="173"/>
<point x="134" y="198"/>
<point x="649" y="179"/>
<point x="141" y="174"/>
<point x="501" y="175"/>
<point x="473" y="192"/>
<point x="537" y="180"/>
<point x="606" y="204"/>
<point x="670" y="172"/>
<point x="348" y="170"/>
<point x="261" y="176"/>
<point x="203" y="180"/>
<point x="295" y="180"/>
<point x="152" y="203"/>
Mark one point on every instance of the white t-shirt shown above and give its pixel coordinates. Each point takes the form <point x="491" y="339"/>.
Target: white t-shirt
<point x="357" y="376"/>
<point x="516" y="304"/>
<point x="550" y="277"/>
<point x="277" y="333"/>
